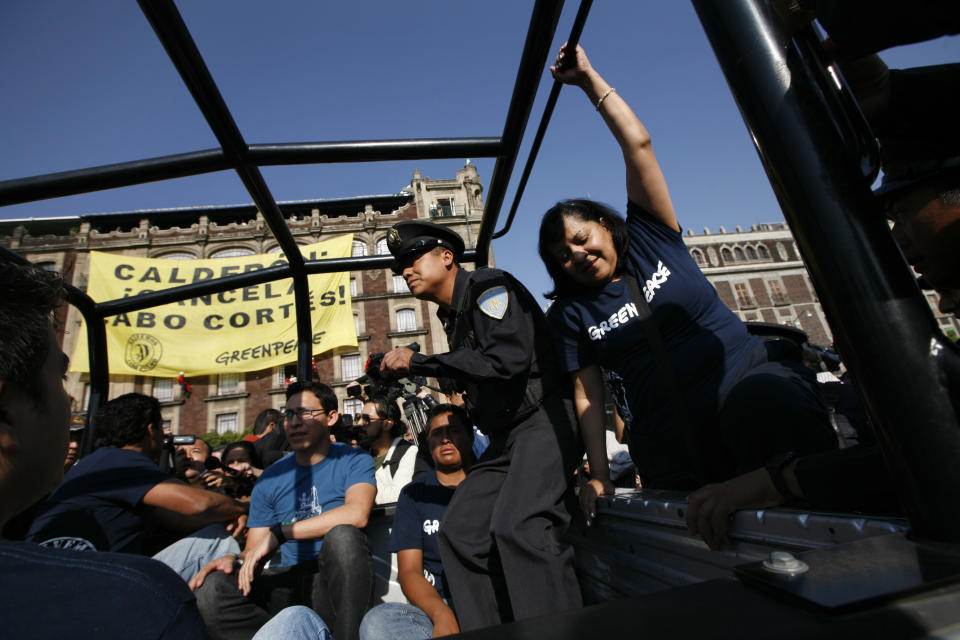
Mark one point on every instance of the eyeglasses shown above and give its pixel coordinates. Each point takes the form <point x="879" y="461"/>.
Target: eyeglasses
<point x="303" y="413"/>
<point x="365" y="419"/>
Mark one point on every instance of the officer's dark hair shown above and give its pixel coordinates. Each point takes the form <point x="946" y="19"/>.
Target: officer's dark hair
<point x="457" y="414"/>
<point x="326" y="396"/>
<point x="552" y="233"/>
<point x="441" y="248"/>
<point x="388" y="409"/>
<point x="264" y="418"/>
<point x="123" y="421"/>
<point x="29" y="297"/>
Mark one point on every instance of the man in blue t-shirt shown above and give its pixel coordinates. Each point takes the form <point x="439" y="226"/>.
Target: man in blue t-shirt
<point x="311" y="506"/>
<point x="419" y="517"/>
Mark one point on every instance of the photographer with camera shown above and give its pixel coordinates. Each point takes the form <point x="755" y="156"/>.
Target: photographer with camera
<point x="112" y="499"/>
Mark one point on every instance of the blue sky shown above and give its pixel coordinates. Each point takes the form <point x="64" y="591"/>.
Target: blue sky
<point x="87" y="83"/>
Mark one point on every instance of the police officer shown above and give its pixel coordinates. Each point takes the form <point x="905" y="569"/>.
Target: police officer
<point x="501" y="537"/>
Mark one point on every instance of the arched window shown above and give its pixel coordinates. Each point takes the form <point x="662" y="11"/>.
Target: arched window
<point x="751" y="253"/>
<point x="763" y="253"/>
<point x="232" y="252"/>
<point x="359" y="249"/>
<point x="382" y="248"/>
<point x="353" y="287"/>
<point x="726" y="254"/>
<point x="177" y="255"/>
<point x="698" y="257"/>
<point x="400" y="285"/>
<point x="738" y="254"/>
<point x="406" y="320"/>
<point x="356" y="323"/>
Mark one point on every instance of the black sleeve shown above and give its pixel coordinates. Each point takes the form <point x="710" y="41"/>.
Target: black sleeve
<point x="503" y="347"/>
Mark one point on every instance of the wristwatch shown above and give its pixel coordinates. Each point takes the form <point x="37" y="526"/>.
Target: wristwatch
<point x="775" y="467"/>
<point x="277" y="531"/>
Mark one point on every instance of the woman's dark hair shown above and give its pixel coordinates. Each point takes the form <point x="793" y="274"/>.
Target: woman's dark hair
<point x="250" y="449"/>
<point x="388" y="409"/>
<point x="552" y="233"/>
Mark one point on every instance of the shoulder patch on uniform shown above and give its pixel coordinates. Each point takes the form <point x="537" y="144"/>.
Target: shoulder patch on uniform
<point x="493" y="302"/>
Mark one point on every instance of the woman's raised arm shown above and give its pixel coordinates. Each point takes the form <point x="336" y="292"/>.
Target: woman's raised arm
<point x="645" y="183"/>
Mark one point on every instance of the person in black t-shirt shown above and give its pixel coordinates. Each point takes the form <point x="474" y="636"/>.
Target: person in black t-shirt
<point x="419" y="517"/>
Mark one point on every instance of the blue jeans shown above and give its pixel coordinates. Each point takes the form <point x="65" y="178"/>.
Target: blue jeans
<point x="396" y="621"/>
<point x="192" y="553"/>
<point x="295" y="623"/>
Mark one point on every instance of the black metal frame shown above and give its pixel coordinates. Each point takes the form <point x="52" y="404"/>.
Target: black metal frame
<point x="821" y="160"/>
<point x="234" y="153"/>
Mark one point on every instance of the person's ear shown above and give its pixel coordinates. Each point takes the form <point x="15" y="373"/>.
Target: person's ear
<point x="332" y="417"/>
<point x="447" y="257"/>
<point x="9" y="438"/>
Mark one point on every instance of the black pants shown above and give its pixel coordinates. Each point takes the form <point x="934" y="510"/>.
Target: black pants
<point x="775" y="408"/>
<point x="338" y="585"/>
<point x="500" y="539"/>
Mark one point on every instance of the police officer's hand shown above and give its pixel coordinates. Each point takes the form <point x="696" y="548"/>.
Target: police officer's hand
<point x="397" y="362"/>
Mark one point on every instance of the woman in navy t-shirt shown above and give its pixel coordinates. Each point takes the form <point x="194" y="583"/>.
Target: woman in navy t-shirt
<point x="722" y="408"/>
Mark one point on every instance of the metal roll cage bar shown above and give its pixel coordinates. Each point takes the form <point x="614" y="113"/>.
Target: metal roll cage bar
<point x="798" y="120"/>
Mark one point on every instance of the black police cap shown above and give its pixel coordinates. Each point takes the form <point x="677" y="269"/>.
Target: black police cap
<point x="415" y="236"/>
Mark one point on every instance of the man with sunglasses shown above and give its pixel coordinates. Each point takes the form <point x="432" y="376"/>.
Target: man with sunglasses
<point x="379" y="431"/>
<point x="311" y="506"/>
<point x="503" y="530"/>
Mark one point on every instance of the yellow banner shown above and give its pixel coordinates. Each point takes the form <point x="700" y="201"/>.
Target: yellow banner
<point x="246" y="329"/>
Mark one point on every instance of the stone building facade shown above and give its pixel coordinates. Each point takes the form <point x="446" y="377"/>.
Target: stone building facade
<point x="386" y="315"/>
<point x="761" y="277"/>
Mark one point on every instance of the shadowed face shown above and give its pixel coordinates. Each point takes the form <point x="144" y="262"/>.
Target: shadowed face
<point x="450" y="442"/>
<point x="928" y="232"/>
<point x="426" y="274"/>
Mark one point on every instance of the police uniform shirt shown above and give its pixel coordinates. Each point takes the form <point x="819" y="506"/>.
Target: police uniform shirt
<point x="491" y="354"/>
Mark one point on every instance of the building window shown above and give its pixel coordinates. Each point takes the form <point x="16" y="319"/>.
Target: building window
<point x="228" y="383"/>
<point x="763" y="253"/>
<point x="163" y="389"/>
<point x="782" y="251"/>
<point x="744" y="299"/>
<point x="226" y="422"/>
<point x="282" y="374"/>
<point x="400" y="285"/>
<point x="177" y="255"/>
<point x="751" y="253"/>
<point x="382" y="248"/>
<point x="47" y="266"/>
<point x="356" y="323"/>
<point x="350" y="367"/>
<point x="406" y="320"/>
<point x="353" y="287"/>
<point x="727" y="255"/>
<point x="738" y="255"/>
<point x="232" y="252"/>
<point x="698" y="257"/>
<point x="359" y="249"/>
<point x="777" y="294"/>
<point x="353" y="407"/>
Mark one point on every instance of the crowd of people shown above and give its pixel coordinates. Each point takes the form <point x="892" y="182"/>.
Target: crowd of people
<point x="265" y="537"/>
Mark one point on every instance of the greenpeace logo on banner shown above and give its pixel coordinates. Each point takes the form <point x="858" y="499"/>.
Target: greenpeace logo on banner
<point x="245" y="329"/>
<point x="628" y="311"/>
